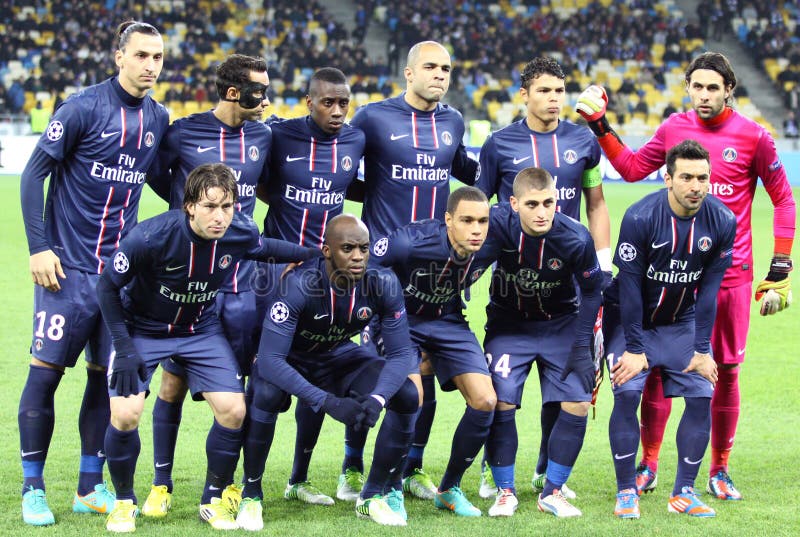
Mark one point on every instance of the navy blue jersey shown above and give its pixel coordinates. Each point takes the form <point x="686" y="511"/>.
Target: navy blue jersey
<point x="669" y="256"/>
<point x="104" y="141"/>
<point x="309" y="318"/>
<point x="431" y="273"/>
<point x="171" y="276"/>
<point x="570" y="153"/>
<point x="408" y="160"/>
<point x="310" y="171"/>
<point x="539" y="278"/>
<point x="203" y="139"/>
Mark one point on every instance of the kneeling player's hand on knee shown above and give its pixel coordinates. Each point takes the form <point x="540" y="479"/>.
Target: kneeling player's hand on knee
<point x="629" y="365"/>
<point x="775" y="291"/>
<point x="703" y="364"/>
<point x="344" y="409"/>
<point x="126" y="372"/>
<point x="372" y="409"/>
<point x="580" y="362"/>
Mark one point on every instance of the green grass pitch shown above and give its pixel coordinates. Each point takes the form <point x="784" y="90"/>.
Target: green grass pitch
<point x="765" y="462"/>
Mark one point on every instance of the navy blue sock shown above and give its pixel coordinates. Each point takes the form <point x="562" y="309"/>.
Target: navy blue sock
<point x="391" y="446"/>
<point x="122" y="451"/>
<point x="222" y="454"/>
<point x="36" y="418"/>
<point x="260" y="430"/>
<point x="422" y="427"/>
<point x="501" y="447"/>
<point x="469" y="437"/>
<point x="566" y="441"/>
<point x="166" y="422"/>
<point x="692" y="439"/>
<point x="309" y="425"/>
<point x="623" y="434"/>
<point x="92" y="422"/>
<point x="547" y="419"/>
<point x="354" y="449"/>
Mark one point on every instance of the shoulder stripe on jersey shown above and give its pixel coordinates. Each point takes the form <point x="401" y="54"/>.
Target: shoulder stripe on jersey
<point x="433" y="128"/>
<point x="141" y="129"/>
<point x="534" y="151"/>
<point x="414" y="129"/>
<point x="674" y="234"/>
<point x="221" y="144"/>
<point x="123" y="131"/>
<point x="236" y="278"/>
<point x="191" y="259"/>
<point x="690" y="248"/>
<point x="520" y="245"/>
<point x="313" y="154"/>
<point x="241" y="145"/>
<point x="555" y="151"/>
<point x="541" y="253"/>
<point x="433" y="202"/>
<point x="335" y="157"/>
<point x="99" y="247"/>
<point x="303" y="227"/>
<point x="213" y="255"/>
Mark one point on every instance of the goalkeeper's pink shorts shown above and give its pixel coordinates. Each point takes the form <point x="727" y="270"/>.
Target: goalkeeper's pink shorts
<point x="729" y="336"/>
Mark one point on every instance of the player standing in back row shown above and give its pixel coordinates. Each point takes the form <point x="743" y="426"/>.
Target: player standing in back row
<point x="413" y="146"/>
<point x="96" y="150"/>
<point x="741" y="152"/>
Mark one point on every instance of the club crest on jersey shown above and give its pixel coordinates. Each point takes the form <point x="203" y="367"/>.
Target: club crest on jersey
<point x="149" y="139"/>
<point x="347" y="163"/>
<point x="399" y="313"/>
<point x="447" y="138"/>
<point x="627" y="252"/>
<point x="364" y="313"/>
<point x="38" y="344"/>
<point x="476" y="274"/>
<point x="570" y="156"/>
<point x="55" y="130"/>
<point x="380" y="247"/>
<point x="121" y="264"/>
<point x="554" y="263"/>
<point x="253" y="153"/>
<point x="729" y="154"/>
<point x="225" y="261"/>
<point x="279" y="312"/>
<point x="704" y="243"/>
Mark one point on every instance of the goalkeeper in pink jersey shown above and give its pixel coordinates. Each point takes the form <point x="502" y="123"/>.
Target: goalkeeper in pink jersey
<point x="741" y="152"/>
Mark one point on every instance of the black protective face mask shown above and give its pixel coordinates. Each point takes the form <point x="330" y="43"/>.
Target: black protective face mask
<point x="251" y="95"/>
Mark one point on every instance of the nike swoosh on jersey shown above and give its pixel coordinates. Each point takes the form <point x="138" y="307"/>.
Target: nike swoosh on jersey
<point x="105" y="134"/>
<point x="518" y="160"/>
<point x="172" y="269"/>
<point x="656" y="246"/>
<point x="394" y="137"/>
<point x="318" y="316"/>
<point x="204" y="149"/>
<point x="292" y="159"/>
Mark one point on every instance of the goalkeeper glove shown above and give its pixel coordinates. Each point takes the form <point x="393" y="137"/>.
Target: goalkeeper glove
<point x="776" y="288"/>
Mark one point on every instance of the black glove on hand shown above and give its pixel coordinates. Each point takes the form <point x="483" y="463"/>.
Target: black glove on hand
<point x="344" y="409"/>
<point x="372" y="409"/>
<point x="126" y="371"/>
<point x="580" y="361"/>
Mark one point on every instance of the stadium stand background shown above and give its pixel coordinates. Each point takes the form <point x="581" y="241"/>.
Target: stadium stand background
<point x="638" y="49"/>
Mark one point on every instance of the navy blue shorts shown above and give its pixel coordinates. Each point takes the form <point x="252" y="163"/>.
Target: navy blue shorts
<point x="242" y="325"/>
<point x="206" y="360"/>
<point x="68" y="321"/>
<point x="670" y="347"/>
<point x="451" y="345"/>
<point x="336" y="371"/>
<point x="512" y="347"/>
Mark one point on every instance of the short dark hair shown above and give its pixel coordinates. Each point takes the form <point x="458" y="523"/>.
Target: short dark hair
<point x="465" y="193"/>
<point x="126" y="29"/>
<point x="537" y="67"/>
<point x="234" y="72"/>
<point x="331" y="75"/>
<point x="713" y="61"/>
<point x="688" y="150"/>
<point x="532" y="179"/>
<point x="208" y="176"/>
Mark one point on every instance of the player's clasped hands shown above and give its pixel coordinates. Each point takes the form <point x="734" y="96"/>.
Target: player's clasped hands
<point x="46" y="269"/>
<point x="629" y="365"/>
<point x="704" y="364"/>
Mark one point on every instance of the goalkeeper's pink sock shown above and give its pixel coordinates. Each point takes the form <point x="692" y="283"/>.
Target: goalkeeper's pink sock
<point x="724" y="418"/>
<point x="655" y="414"/>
